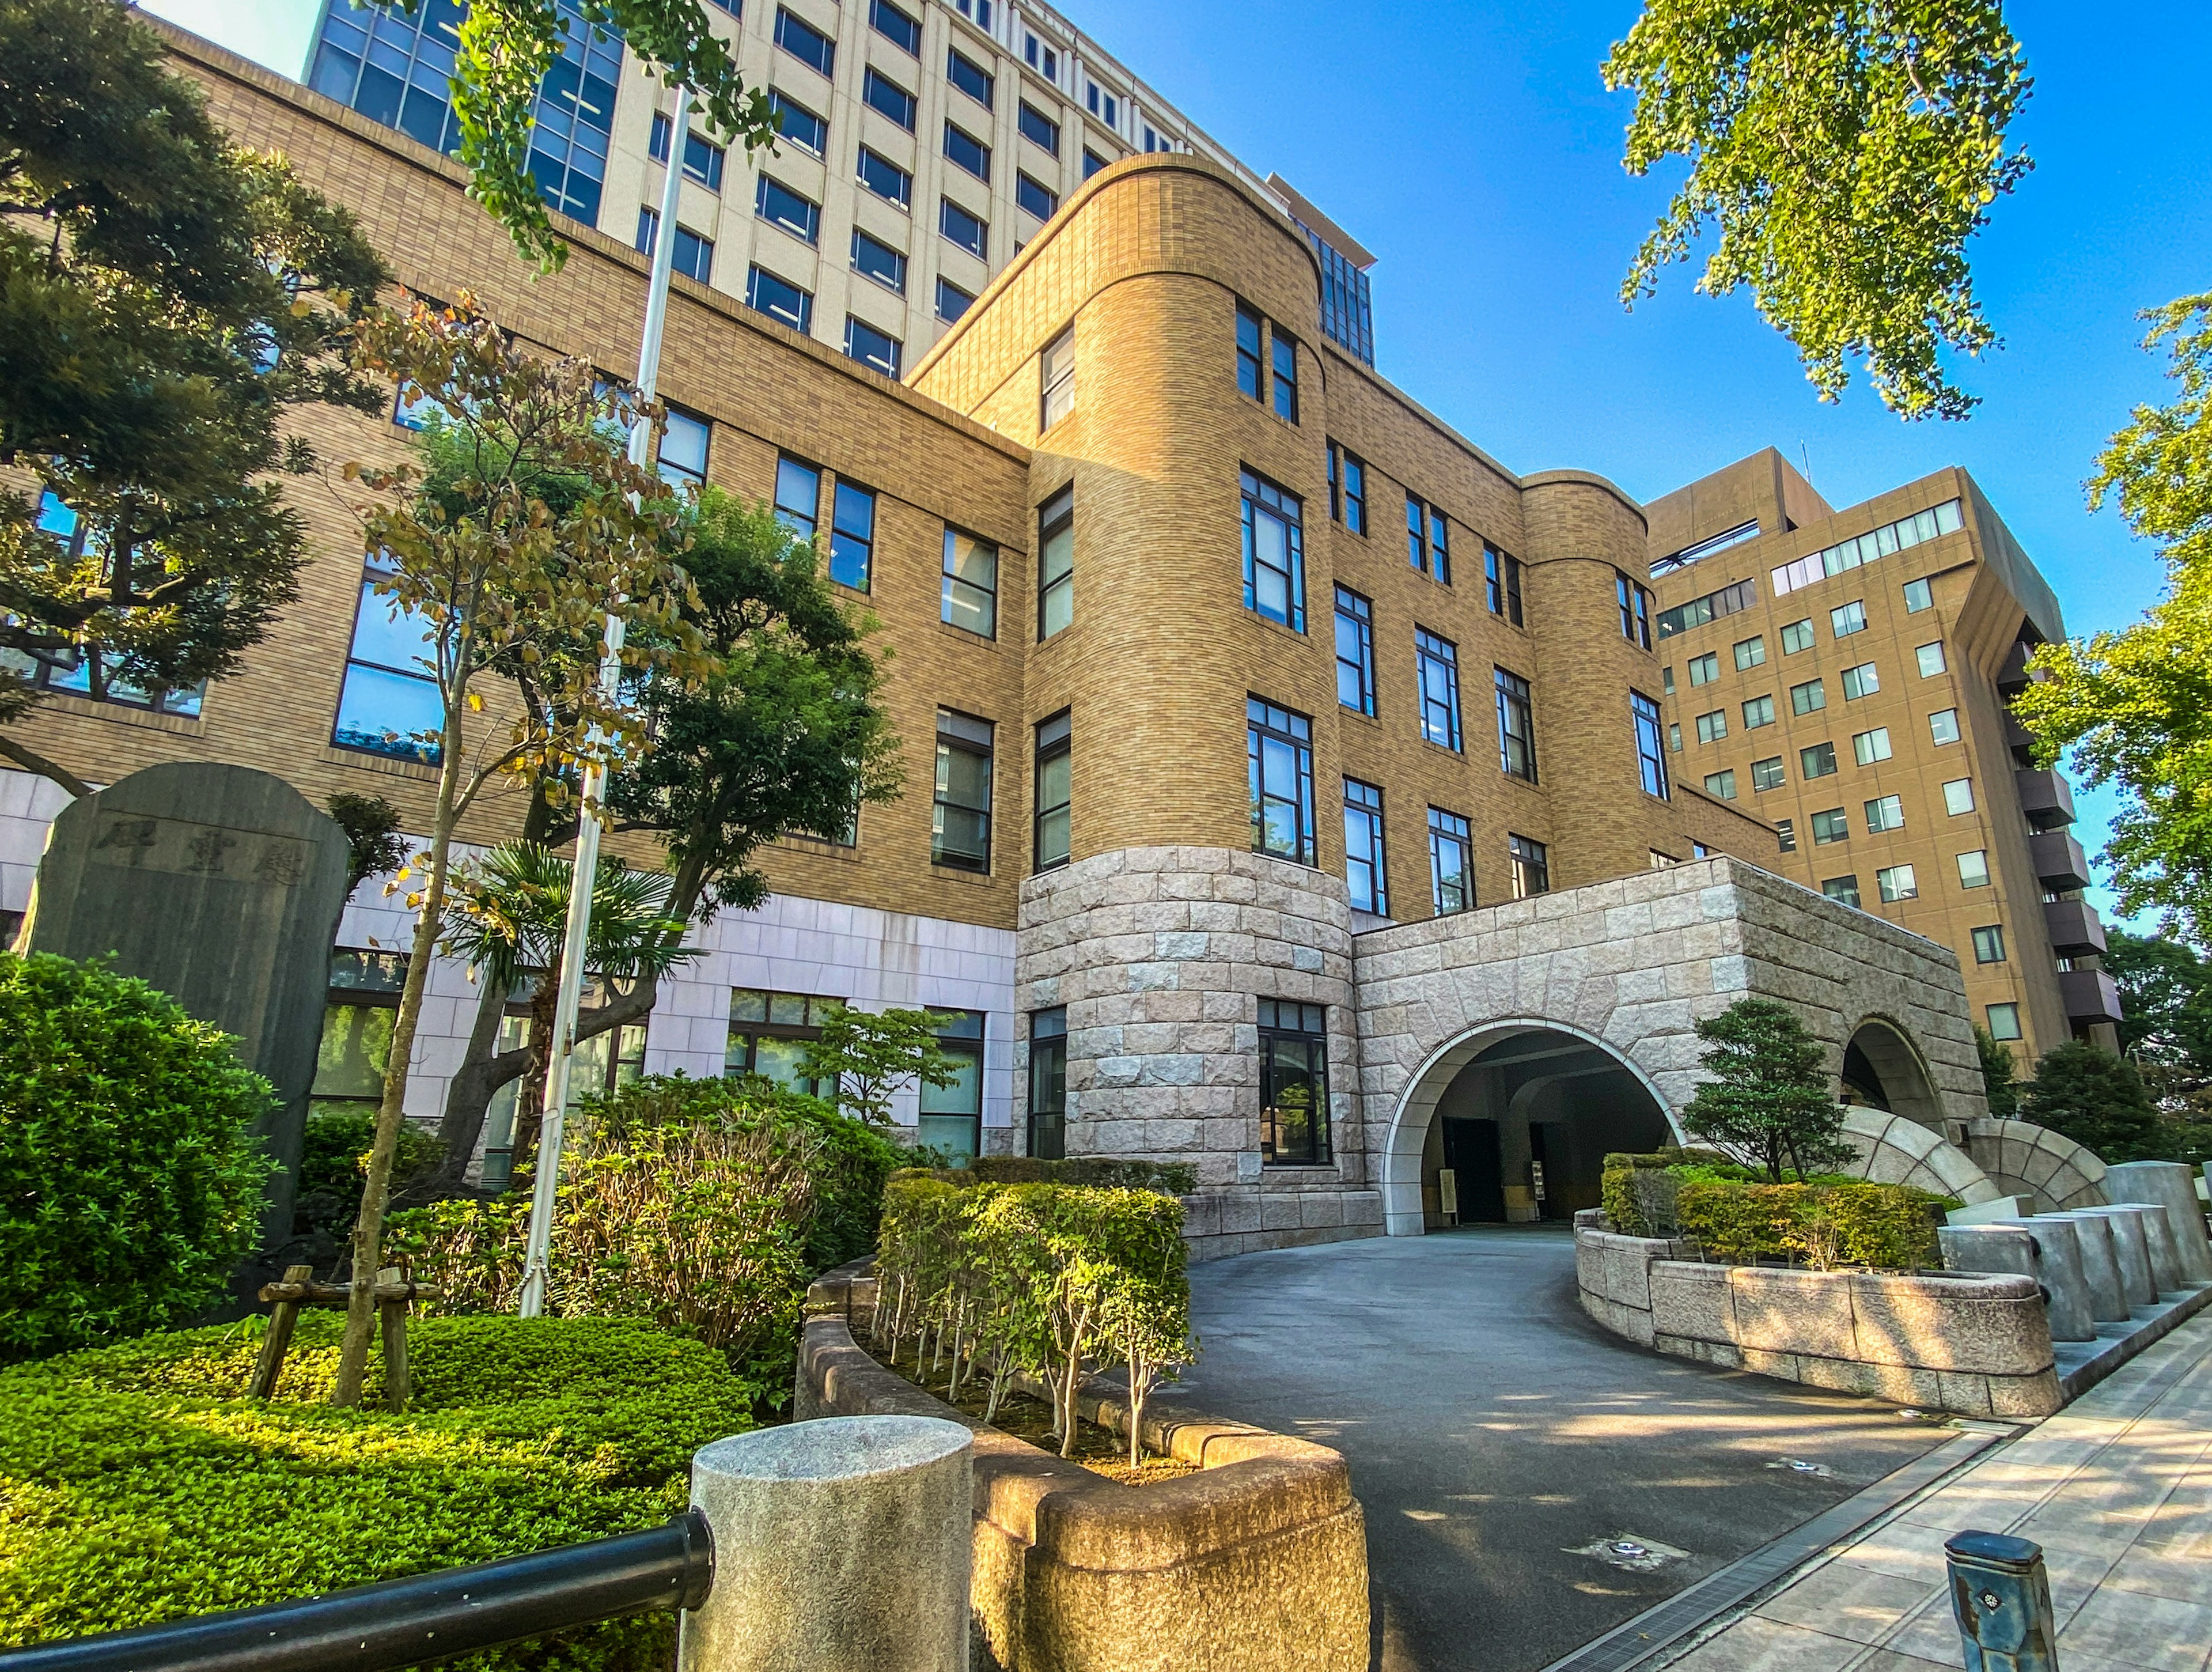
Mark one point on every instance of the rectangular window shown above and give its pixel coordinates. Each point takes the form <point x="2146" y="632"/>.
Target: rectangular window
<point x="1293" y="1085"/>
<point x="1437" y="668"/>
<point x="1868" y="747"/>
<point x="1846" y="619"/>
<point x="1861" y="681"/>
<point x="1786" y="835"/>
<point x="951" y="1117"/>
<point x="1347" y="489"/>
<point x="1712" y="728"/>
<point x="1807" y="698"/>
<point x="1048" y="1083"/>
<point x="1943" y="726"/>
<point x="1055" y="564"/>
<point x="1797" y="636"/>
<point x="779" y="205"/>
<point x="852" y="536"/>
<point x="880" y="261"/>
<point x="1931" y="658"/>
<point x="1251" y="328"/>
<point x="1768" y="774"/>
<point x="1035" y="196"/>
<point x="1885" y="812"/>
<point x="1650" y="757"/>
<point x="1817" y="760"/>
<point x="798" y="496"/>
<point x="1989" y="943"/>
<point x="1501" y="583"/>
<point x="1757" y="712"/>
<point x="887" y="98"/>
<point x="1705" y="668"/>
<point x="969" y="232"/>
<point x="970" y="78"/>
<point x="1056" y="379"/>
<point x="960" y="817"/>
<point x="1513" y="592"/>
<point x="809" y="46"/>
<point x="1675" y="736"/>
<point x="1040" y="129"/>
<point x="1721" y="784"/>
<point x="1711" y="607"/>
<point x="683" y="457"/>
<point x="389" y="703"/>
<point x="1635" y="605"/>
<point x="1844" y="890"/>
<point x="1417" y="534"/>
<point x="1918" y="597"/>
<point x="1355" y="651"/>
<point x="1833" y="825"/>
<point x="952" y="301"/>
<point x="885" y="178"/>
<point x="1667" y="678"/>
<point x="1364" y="871"/>
<point x="798" y="124"/>
<point x="1883" y="542"/>
<point x="895" y="26"/>
<point x="693" y="256"/>
<point x="1896" y="882"/>
<point x="1274" y="552"/>
<point x="877" y="350"/>
<point x="1974" y="869"/>
<point x="1055" y="791"/>
<point x="1451" y="864"/>
<point x="1532" y="866"/>
<point x="971" y="590"/>
<point x="1517" y="727"/>
<point x="703" y="159"/>
<point x="1285" y="353"/>
<point x="1958" y="796"/>
<point x="2004" y="1021"/>
<point x="1750" y="653"/>
<point x="769" y="1034"/>
<point x="1279" y="756"/>
<point x="1104" y="106"/>
<point x="1092" y="162"/>
<point x="1440" y="544"/>
<point x="963" y="150"/>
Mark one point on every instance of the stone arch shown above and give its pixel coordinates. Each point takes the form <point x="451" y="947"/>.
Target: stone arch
<point x="2024" y="1159"/>
<point x="1896" y="1149"/>
<point x="1883" y="1069"/>
<point x="1400" y="1163"/>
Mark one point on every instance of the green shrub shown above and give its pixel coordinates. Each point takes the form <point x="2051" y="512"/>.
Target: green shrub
<point x="1174" y="1178"/>
<point x="334" y="1161"/>
<point x="141" y="1486"/>
<point x="1638" y="1196"/>
<point x="1829" y="1221"/>
<point x="129" y="1186"/>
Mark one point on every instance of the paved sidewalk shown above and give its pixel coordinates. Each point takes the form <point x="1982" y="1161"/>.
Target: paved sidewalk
<point x="2117" y="1490"/>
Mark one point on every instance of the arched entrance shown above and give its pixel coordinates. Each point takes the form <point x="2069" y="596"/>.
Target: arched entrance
<point x="1507" y="1105"/>
<point x="1883" y="1070"/>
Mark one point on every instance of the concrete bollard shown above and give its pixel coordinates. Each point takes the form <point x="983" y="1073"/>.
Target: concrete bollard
<point x="2131" y="1248"/>
<point x="2100" y="1266"/>
<point x="2058" y="1248"/>
<point x="2043" y="1254"/>
<point x="2170" y="1185"/>
<point x="840" y="1545"/>
<point x="1997" y="1210"/>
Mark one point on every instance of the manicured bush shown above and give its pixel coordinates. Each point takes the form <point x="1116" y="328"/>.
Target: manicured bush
<point x="129" y="1186"/>
<point x="1824" y="1223"/>
<point x="1174" y="1178"/>
<point x="1638" y="1191"/>
<point x="333" y="1164"/>
<point x="140" y="1484"/>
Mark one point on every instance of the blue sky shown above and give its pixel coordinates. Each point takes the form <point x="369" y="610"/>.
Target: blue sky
<point x="1473" y="148"/>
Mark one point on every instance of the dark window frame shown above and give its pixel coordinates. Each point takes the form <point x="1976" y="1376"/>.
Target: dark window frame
<point x="1257" y="497"/>
<point x="1438" y="714"/>
<point x="1267" y="723"/>
<point x="1056" y="516"/>
<point x="1293" y="1055"/>
<point x="1358" y="611"/>
<point x="1648" y="727"/>
<point x="1055" y="746"/>
<point x="1517" y="724"/>
<point x="958" y="734"/>
<point x="1450" y="830"/>
<point x="1363" y="806"/>
<point x="1532" y="866"/>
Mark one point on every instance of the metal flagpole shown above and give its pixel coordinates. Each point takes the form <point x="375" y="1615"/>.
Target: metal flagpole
<point x="577" y="936"/>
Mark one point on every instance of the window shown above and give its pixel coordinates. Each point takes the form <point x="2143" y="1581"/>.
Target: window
<point x="969" y="232"/>
<point x="798" y="124"/>
<point x="1958" y="796"/>
<point x="89" y="673"/>
<point x="1844" y="890"/>
<point x="887" y="98"/>
<point x="1974" y="869"/>
<point x="963" y="150"/>
<point x="1918" y="597"/>
<point x="1417" y="534"/>
<point x="1035" y="196"/>
<point x="1274" y="553"/>
<point x="1532" y="866"/>
<point x="1365" y="873"/>
<point x="1104" y="106"/>
<point x="1347" y="489"/>
<point x="798" y="496"/>
<point x="1667" y="678"/>
<point x="895" y="26"/>
<point x="1040" y="129"/>
<point x="769" y="1033"/>
<point x="1436" y="665"/>
<point x="1868" y="747"/>
<point x="1092" y="162"/>
<point x="1250" y="329"/>
<point x="1943" y="726"/>
<point x="877" y="350"/>
<point x="389" y="703"/>
<point x="1819" y="760"/>
<point x="1797" y="636"/>
<point x="1650" y="759"/>
<point x="1675" y="736"/>
<point x="1293" y="1084"/>
<point x="2004" y="1021"/>
<point x="779" y="205"/>
<point x="1885" y="812"/>
<point x="1056" y="379"/>
<point x="970" y="78"/>
<point x="1451" y="864"/>
<point x="1721" y="784"/>
<point x="1355" y="651"/>
<point x="809" y="47"/>
<point x="952" y="301"/>
<point x="852" y="536"/>
<point x="1786" y="835"/>
<point x="1285" y="351"/>
<point x="960" y="818"/>
<point x="978" y="9"/>
<point x="1042" y="58"/>
<point x="1501" y="583"/>
<point x="1056" y="563"/>
<point x="1279" y="753"/>
<point x="1882" y="542"/>
<point x="1055" y="791"/>
<point x="1931" y="658"/>
<point x="1048" y="1083"/>
<point x="1713" y="606"/>
<point x="1833" y="825"/>
<point x="703" y="158"/>
<point x="1635" y="611"/>
<point x="693" y="256"/>
<point x="886" y="179"/>
<point x="951" y="1117"/>
<point x="1768" y="774"/>
<point x="1807" y="698"/>
<point x="1895" y="883"/>
<point x="1750" y="653"/>
<point x="880" y="261"/>
<point x="1757" y="711"/>
<point x="1705" y="668"/>
<point x="1517" y="727"/>
<point x="1989" y="943"/>
<point x="1861" y="681"/>
<point x="971" y="590"/>
<point x="684" y="449"/>
<point x="1713" y="726"/>
<point x="1846" y="619"/>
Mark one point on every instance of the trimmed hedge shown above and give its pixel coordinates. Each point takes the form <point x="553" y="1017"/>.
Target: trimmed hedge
<point x="137" y="1484"/>
<point x="1821" y="1224"/>
<point x="1173" y="1178"/>
<point x="1638" y="1194"/>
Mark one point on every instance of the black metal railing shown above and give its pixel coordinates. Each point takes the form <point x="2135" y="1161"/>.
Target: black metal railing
<point x="405" y="1622"/>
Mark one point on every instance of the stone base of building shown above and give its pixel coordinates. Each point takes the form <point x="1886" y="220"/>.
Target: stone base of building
<point x="1247" y="1218"/>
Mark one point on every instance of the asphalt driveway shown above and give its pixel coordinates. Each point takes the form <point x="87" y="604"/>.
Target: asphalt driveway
<point x="1495" y="1433"/>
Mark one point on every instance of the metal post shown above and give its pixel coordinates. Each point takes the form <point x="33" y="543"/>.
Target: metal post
<point x="2003" y="1600"/>
<point x="584" y="873"/>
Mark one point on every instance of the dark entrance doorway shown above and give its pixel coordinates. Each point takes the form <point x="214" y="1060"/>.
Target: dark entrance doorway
<point x="1471" y="1152"/>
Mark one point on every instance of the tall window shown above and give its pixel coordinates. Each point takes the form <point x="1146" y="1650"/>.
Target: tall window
<point x="951" y="1117"/>
<point x="1278" y="751"/>
<point x="798" y="496"/>
<point x="683" y="456"/>
<point x="1347" y="489"/>
<point x="1635" y="611"/>
<point x="1293" y="1084"/>
<point x="1285" y="355"/>
<point x="1417" y="534"/>
<point x="1451" y="863"/>
<point x="1651" y="749"/>
<point x="1440" y="544"/>
<point x="1364" y="871"/>
<point x="1517" y="727"/>
<point x="769" y="1033"/>
<point x="1438" y="663"/>
<point x="1531" y="867"/>
<point x="1355" y="651"/>
<point x="1251" y="330"/>
<point x="1274" y="552"/>
<point x="1056" y="379"/>
<point x="1055" y="791"/>
<point x="960" y="820"/>
<point x="1049" y="1083"/>
<point x="1056" y="563"/>
<point x="852" y="537"/>
<point x="389" y="703"/>
<point x="970" y="591"/>
<point x="1501" y="584"/>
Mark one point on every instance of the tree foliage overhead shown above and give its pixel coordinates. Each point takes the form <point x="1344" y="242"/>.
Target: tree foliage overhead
<point x="1842" y="154"/>
<point x="1770" y="1098"/>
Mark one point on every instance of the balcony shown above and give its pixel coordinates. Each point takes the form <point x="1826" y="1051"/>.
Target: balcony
<point x="2089" y="995"/>
<point x="2018" y="737"/>
<point x="2059" y="860"/>
<point x="2045" y="797"/>
<point x="2013" y="677"/>
<point x="2075" y="928"/>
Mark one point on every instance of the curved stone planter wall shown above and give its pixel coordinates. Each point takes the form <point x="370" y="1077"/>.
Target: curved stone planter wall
<point x="1259" y="1560"/>
<point x="2023" y="1159"/>
<point x="1976" y="1344"/>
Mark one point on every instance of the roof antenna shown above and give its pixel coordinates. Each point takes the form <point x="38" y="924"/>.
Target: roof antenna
<point x="1805" y="454"/>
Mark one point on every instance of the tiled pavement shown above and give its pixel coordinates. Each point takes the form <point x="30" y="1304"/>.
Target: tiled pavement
<point x="2117" y="1490"/>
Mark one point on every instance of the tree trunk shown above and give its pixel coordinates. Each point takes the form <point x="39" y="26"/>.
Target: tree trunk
<point x="530" y="1095"/>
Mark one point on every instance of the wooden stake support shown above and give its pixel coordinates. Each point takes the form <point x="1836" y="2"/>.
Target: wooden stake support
<point x="393" y="1291"/>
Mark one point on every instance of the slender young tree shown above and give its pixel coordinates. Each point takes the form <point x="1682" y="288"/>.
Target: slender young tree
<point x="869" y="1057"/>
<point x="1769" y="1098"/>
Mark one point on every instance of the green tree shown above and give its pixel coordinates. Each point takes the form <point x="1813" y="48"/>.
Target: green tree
<point x="165" y="299"/>
<point x="869" y="1057"/>
<point x="1841" y="155"/>
<point x="373" y="842"/>
<point x="2000" y="1074"/>
<point x="2097" y="1099"/>
<point x="1770" y="1097"/>
<point x="2166" y="990"/>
